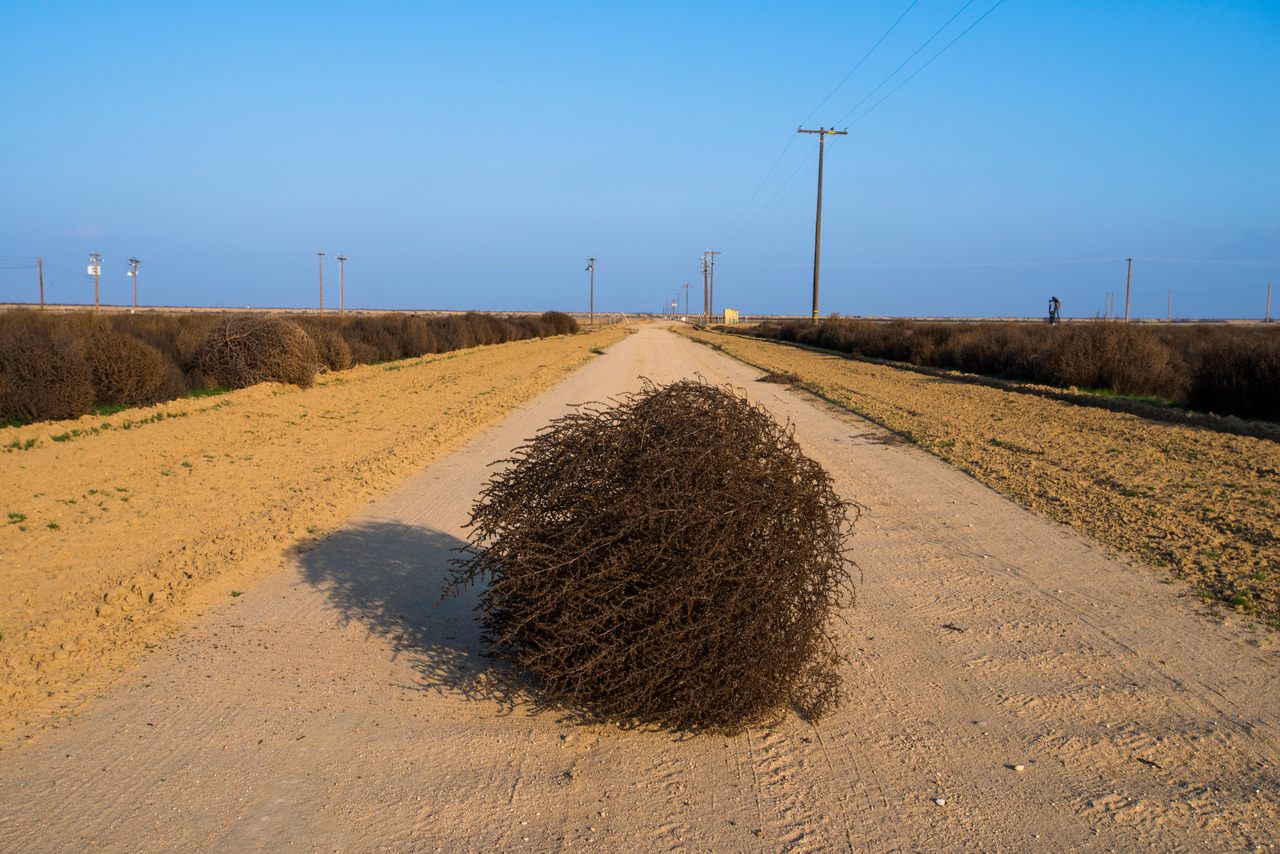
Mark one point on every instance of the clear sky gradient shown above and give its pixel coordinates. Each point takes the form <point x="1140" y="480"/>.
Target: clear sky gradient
<point x="470" y="155"/>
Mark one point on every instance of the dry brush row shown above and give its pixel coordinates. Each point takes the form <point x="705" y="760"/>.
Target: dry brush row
<point x="1210" y="368"/>
<point x="62" y="366"/>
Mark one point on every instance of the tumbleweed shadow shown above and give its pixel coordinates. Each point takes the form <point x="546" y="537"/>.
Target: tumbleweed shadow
<point x="390" y="577"/>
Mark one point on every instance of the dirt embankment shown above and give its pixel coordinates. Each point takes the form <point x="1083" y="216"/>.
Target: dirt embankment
<point x="115" y="530"/>
<point x="1203" y="505"/>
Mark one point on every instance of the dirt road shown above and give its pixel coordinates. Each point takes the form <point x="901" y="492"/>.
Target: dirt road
<point x="323" y="709"/>
<point x="122" y="528"/>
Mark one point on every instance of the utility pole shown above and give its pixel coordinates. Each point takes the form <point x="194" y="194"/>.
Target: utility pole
<point x="711" y="290"/>
<point x="342" y="286"/>
<point x="1169" y="310"/>
<point x="822" y="133"/>
<point x="95" y="267"/>
<point x="1267" y="317"/>
<point x="320" y="258"/>
<point x="1128" y="280"/>
<point x="133" y="272"/>
<point x="40" y="267"/>
<point x="706" y="293"/>
<point x="591" y="299"/>
<point x="686" y="287"/>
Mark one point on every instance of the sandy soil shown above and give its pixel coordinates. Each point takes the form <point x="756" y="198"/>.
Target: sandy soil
<point x="131" y="524"/>
<point x="326" y="708"/>
<point x="1202" y="505"/>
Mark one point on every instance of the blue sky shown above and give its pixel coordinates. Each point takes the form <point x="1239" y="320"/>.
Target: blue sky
<point x="474" y="155"/>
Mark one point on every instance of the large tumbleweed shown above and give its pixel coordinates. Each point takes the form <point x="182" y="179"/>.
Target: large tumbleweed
<point x="242" y="351"/>
<point x="673" y="560"/>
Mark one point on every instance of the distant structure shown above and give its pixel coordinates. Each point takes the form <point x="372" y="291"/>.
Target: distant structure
<point x="1055" y="310"/>
<point x="730" y="315"/>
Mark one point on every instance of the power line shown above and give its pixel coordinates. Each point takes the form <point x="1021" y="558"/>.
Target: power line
<point x="865" y="57"/>
<point x="905" y="62"/>
<point x="931" y="60"/>
<point x="791" y="137"/>
<point x="810" y="161"/>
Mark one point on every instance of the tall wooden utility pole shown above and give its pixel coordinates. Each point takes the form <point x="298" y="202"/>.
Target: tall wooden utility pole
<point x="95" y="267"/>
<point x="1267" y="317"/>
<point x="133" y="272"/>
<point x="711" y="287"/>
<point x="320" y="257"/>
<point x="706" y="293"/>
<point x="40" y="267"/>
<point x="686" y="287"/>
<point x="1169" y="309"/>
<point x="822" y="133"/>
<point x="342" y="286"/>
<point x="1128" y="280"/>
<point x="591" y="298"/>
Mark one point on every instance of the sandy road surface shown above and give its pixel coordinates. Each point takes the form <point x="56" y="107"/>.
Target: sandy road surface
<point x="324" y="710"/>
<point x="122" y="528"/>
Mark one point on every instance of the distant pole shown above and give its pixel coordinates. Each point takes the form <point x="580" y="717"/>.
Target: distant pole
<point x="40" y="267"/>
<point x="822" y="133"/>
<point x="706" y="293"/>
<point x="320" y="258"/>
<point x="95" y="264"/>
<point x="686" y="287"/>
<point x="1169" y="310"/>
<point x="711" y="289"/>
<point x="133" y="271"/>
<point x="1128" y="280"/>
<point x="1267" y="316"/>
<point x="591" y="299"/>
<point x="342" y="286"/>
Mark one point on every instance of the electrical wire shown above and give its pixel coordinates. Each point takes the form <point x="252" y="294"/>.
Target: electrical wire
<point x="792" y="137"/>
<point x="765" y="211"/>
<point x="865" y="57"/>
<point x="905" y="62"/>
<point x="931" y="60"/>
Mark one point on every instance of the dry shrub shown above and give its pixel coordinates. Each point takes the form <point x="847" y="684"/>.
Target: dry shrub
<point x="127" y="370"/>
<point x="781" y="378"/>
<point x="559" y="322"/>
<point x="416" y="337"/>
<point x="1240" y="375"/>
<point x="1122" y="359"/>
<point x="332" y="350"/>
<point x="671" y="560"/>
<point x="242" y="351"/>
<point x="177" y="336"/>
<point x="371" y="339"/>
<point x="454" y="332"/>
<point x="43" y="375"/>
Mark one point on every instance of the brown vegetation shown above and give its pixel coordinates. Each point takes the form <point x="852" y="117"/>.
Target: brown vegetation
<point x="42" y="375"/>
<point x="1220" y="369"/>
<point x="671" y="560"/>
<point x="59" y="366"/>
<point x="245" y="351"/>
<point x="126" y="369"/>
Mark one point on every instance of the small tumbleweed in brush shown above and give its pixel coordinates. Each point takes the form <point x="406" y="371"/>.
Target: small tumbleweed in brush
<point x="672" y="559"/>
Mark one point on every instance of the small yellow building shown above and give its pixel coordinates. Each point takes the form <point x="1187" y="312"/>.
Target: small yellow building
<point x="730" y="315"/>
